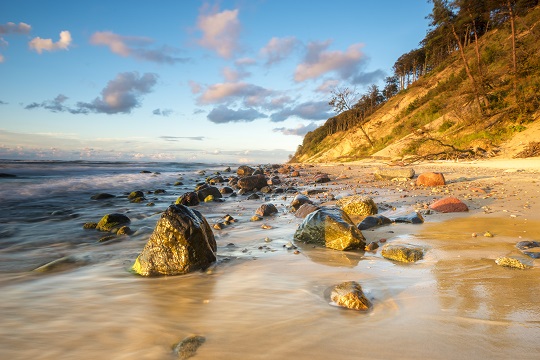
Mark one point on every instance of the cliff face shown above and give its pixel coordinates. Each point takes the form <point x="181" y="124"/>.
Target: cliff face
<point x="437" y="116"/>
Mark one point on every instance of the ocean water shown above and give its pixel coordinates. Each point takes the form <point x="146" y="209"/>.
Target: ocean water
<point x="260" y="300"/>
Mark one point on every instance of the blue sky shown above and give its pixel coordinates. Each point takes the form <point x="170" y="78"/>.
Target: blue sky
<point x="223" y="81"/>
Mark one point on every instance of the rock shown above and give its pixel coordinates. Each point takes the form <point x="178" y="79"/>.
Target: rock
<point x="135" y="195"/>
<point x="300" y="200"/>
<point x="178" y="183"/>
<point x="215" y="179"/>
<point x="412" y="218"/>
<point x="188" y="346"/>
<point x="358" y="205"/>
<point x="266" y="210"/>
<point x="256" y="218"/>
<point x="321" y="178"/>
<point x="226" y="190"/>
<point x="305" y="209"/>
<point x="402" y="252"/>
<point x="64" y="263"/>
<point x="159" y="191"/>
<point x="430" y="179"/>
<point x="227" y="169"/>
<point x="245" y="170"/>
<point x="209" y="190"/>
<point x="112" y="222"/>
<point x="372" y="221"/>
<point x="330" y="227"/>
<point x="295" y="173"/>
<point x="102" y="196"/>
<point x="124" y="230"/>
<point x="448" y="205"/>
<point x="513" y="262"/>
<point x="253" y="197"/>
<point x="5" y="175"/>
<point x="392" y="173"/>
<point x="181" y="242"/>
<point x="266" y="189"/>
<point x="350" y="295"/>
<point x="249" y="183"/>
<point x="90" y="225"/>
<point x="188" y="199"/>
<point x="209" y="198"/>
<point x="372" y="246"/>
<point x="107" y="238"/>
<point x="526" y="246"/>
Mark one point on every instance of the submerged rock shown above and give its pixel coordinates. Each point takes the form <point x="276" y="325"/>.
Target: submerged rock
<point x="526" y="246"/>
<point x="449" y="205"/>
<point x="102" y="196"/>
<point x="412" y="218"/>
<point x="393" y="173"/>
<point x="372" y="221"/>
<point x="332" y="228"/>
<point x="430" y="179"/>
<point x="135" y="195"/>
<point x="182" y="242"/>
<point x="402" y="252"/>
<point x="266" y="210"/>
<point x="64" y="263"/>
<point x="112" y="222"/>
<point x="512" y="262"/>
<point x="358" y="205"/>
<point x="188" y="346"/>
<point x="350" y="295"/>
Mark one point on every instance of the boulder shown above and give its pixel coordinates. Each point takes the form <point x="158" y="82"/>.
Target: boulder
<point x="226" y="190"/>
<point x="412" y="218"/>
<point x="181" y="242"/>
<point x="215" y="179"/>
<point x="392" y="173"/>
<point x="135" y="195"/>
<point x="430" y="179"/>
<point x="266" y="210"/>
<point x="305" y="209"/>
<point x="249" y="183"/>
<point x="321" y="178"/>
<point x="402" y="252"/>
<point x="449" y="205"/>
<point x="188" y="199"/>
<point x="373" y="221"/>
<point x="102" y="196"/>
<point x="209" y="190"/>
<point x="300" y="200"/>
<point x="358" y="205"/>
<point x="350" y="295"/>
<point x="112" y="222"/>
<point x="332" y="228"/>
<point x="529" y="248"/>
<point x="245" y="170"/>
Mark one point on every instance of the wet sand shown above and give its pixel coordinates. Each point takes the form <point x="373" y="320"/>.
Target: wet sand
<point x="262" y="301"/>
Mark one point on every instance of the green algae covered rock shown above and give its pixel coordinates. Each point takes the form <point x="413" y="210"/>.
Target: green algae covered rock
<point x="512" y="262"/>
<point x="182" y="242"/>
<point x="111" y="222"/>
<point x="402" y="252"/>
<point x="358" y="205"/>
<point x="350" y="295"/>
<point x="332" y="228"/>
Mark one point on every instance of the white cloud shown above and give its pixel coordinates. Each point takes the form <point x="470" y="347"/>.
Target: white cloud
<point x="278" y="49"/>
<point x="220" y="30"/>
<point x="319" y="61"/>
<point x="39" y="45"/>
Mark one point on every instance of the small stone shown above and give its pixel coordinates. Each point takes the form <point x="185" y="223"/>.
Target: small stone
<point x="256" y="218"/>
<point x="124" y="230"/>
<point x="372" y="246"/>
<point x="488" y="234"/>
<point x="402" y="252"/>
<point x="474" y="234"/>
<point x="90" y="225"/>
<point x="209" y="198"/>
<point x="218" y="226"/>
<point x="188" y="346"/>
<point x="266" y="226"/>
<point x="350" y="295"/>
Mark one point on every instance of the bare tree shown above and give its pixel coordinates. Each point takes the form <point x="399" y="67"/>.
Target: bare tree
<point x="344" y="99"/>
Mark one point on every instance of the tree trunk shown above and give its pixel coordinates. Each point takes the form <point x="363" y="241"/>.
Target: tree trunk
<point x="514" y="60"/>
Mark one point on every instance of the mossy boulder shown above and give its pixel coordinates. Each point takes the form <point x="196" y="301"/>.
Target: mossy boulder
<point x="350" y="295"/>
<point x="135" y="195"/>
<point x="112" y="222"/>
<point x="358" y="205"/>
<point x="181" y="242"/>
<point x="402" y="252"/>
<point x="190" y="198"/>
<point x="252" y="182"/>
<point x="330" y="227"/>
<point x="204" y="192"/>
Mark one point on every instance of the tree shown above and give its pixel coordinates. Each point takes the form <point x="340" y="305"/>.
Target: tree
<point x="343" y="99"/>
<point x="390" y="87"/>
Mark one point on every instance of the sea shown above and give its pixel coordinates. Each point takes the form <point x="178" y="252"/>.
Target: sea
<point x="261" y="299"/>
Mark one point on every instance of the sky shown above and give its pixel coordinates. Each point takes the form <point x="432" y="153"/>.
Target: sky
<point x="237" y="81"/>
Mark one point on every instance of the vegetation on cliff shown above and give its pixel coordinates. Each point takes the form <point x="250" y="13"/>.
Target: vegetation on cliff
<point x="472" y="84"/>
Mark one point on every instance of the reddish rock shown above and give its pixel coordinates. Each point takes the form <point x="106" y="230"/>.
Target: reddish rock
<point x="448" y="205"/>
<point x="430" y="179"/>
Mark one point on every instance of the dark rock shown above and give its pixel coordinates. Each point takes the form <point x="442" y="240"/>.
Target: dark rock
<point x="159" y="191"/>
<point x="526" y="246"/>
<point x="146" y="172"/>
<point x="266" y="189"/>
<point x="182" y="242"/>
<point x="412" y="218"/>
<point x="189" y="199"/>
<point x="372" y="221"/>
<point x="402" y="252"/>
<point x="430" y="179"/>
<point x="449" y="205"/>
<point x="188" y="346"/>
<point x="253" y="197"/>
<point x="112" y="222"/>
<point x="258" y="172"/>
<point x="245" y="170"/>
<point x="215" y="179"/>
<point x="210" y="190"/>
<point x="226" y="190"/>
<point x="393" y="173"/>
<point x="135" y="194"/>
<point x="227" y="169"/>
<point x="358" y="205"/>
<point x="350" y="295"/>
<point x="330" y="227"/>
<point x="372" y="246"/>
<point x="90" y="225"/>
<point x="4" y="175"/>
<point x="305" y="209"/>
<point x="321" y="178"/>
<point x="300" y="200"/>
<point x="249" y="183"/>
<point x="102" y="196"/>
<point x="266" y="210"/>
<point x="124" y="230"/>
<point x="178" y="183"/>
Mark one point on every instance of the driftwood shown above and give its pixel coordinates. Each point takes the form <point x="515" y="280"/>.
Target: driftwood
<point x="531" y="150"/>
<point x="449" y="153"/>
